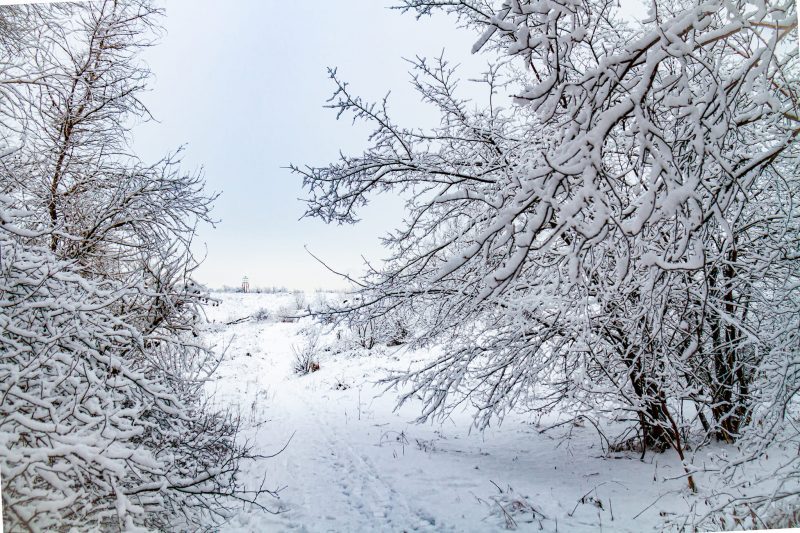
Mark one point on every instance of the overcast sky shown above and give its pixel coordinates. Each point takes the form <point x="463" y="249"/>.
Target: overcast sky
<point x="243" y="85"/>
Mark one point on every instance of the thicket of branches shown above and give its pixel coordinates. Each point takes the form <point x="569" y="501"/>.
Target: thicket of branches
<point x="619" y="242"/>
<point x="102" y="417"/>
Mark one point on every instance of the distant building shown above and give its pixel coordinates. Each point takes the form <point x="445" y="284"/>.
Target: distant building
<point x="245" y="284"/>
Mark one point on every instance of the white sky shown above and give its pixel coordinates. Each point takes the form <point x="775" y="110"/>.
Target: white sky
<point x="243" y="85"/>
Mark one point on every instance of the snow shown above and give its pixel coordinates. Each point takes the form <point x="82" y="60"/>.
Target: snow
<point x="354" y="463"/>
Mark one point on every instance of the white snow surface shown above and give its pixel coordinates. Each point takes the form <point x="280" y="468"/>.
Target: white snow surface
<point x="354" y="463"/>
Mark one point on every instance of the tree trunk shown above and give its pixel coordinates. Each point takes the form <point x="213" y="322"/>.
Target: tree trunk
<point x="730" y="388"/>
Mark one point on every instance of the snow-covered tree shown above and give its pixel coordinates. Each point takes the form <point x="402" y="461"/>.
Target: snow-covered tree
<point x="103" y="421"/>
<point x="92" y="433"/>
<point x="620" y="239"/>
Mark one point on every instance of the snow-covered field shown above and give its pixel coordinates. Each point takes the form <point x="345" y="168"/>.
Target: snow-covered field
<point x="353" y="463"/>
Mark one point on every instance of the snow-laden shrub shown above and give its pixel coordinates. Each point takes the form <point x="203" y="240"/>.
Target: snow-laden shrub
<point x="513" y="508"/>
<point x="101" y="423"/>
<point x="306" y="354"/>
<point x="286" y="314"/>
<point x="365" y="333"/>
<point x="299" y="299"/>
<point x="262" y="315"/>
<point x="390" y="328"/>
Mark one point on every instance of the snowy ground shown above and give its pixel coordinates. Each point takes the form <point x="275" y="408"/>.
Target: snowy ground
<point x="354" y="464"/>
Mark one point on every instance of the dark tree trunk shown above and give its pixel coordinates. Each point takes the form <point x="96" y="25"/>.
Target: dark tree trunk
<point x="730" y="384"/>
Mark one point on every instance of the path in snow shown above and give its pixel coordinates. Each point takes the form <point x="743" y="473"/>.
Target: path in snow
<point x="354" y="464"/>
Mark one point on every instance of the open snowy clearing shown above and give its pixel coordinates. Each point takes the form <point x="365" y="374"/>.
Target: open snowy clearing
<point x="353" y="463"/>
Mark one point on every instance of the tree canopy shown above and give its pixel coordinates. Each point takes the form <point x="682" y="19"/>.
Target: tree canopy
<point x="612" y="231"/>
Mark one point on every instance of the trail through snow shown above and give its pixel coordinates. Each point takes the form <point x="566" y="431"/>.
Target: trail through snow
<point x="354" y="463"/>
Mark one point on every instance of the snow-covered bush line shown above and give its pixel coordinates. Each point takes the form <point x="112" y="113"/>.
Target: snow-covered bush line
<point x="252" y="290"/>
<point x="356" y="330"/>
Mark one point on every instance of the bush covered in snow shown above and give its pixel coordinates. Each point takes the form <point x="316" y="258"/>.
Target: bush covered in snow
<point x="101" y="422"/>
<point x="306" y="354"/>
<point x="262" y="315"/>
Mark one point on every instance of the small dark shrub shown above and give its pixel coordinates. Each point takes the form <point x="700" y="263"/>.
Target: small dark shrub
<point x="262" y="315"/>
<point x="305" y="355"/>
